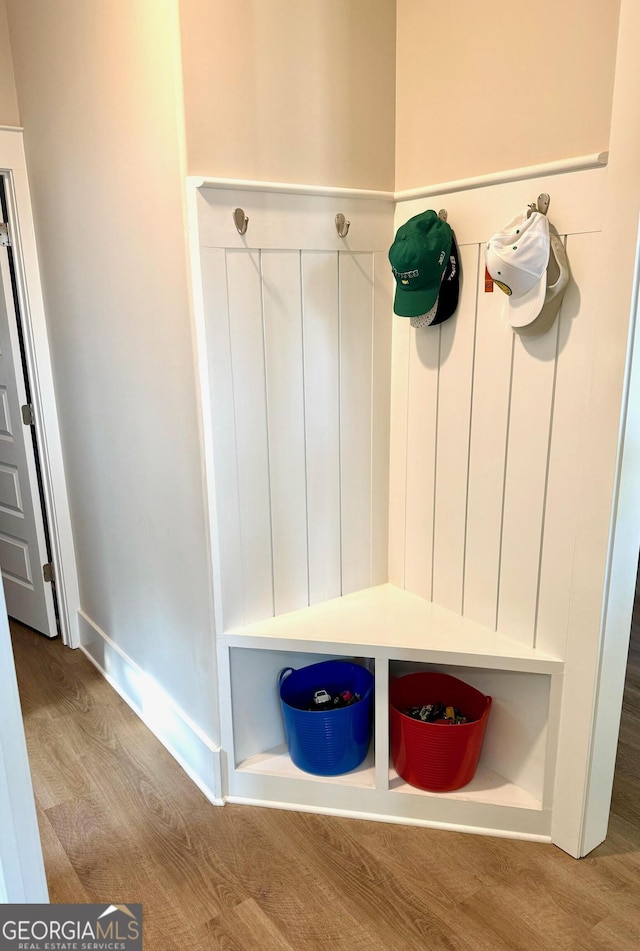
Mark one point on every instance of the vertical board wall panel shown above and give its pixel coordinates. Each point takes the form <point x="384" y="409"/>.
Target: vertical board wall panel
<point x="578" y="325"/>
<point x="422" y="414"/>
<point x="214" y="285"/>
<point x="322" y="416"/>
<point x="401" y="338"/>
<point x="247" y="347"/>
<point x="457" y="337"/>
<point x="526" y="482"/>
<point x="381" y="382"/>
<point x="487" y="453"/>
<point x="285" y="414"/>
<point x="356" y="348"/>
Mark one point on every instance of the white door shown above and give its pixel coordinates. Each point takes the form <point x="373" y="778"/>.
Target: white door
<point x="23" y="545"/>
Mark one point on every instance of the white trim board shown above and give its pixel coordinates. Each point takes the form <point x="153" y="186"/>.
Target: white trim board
<point x="288" y="188"/>
<point x="395" y="820"/>
<point x="561" y="166"/>
<point x="198" y="756"/>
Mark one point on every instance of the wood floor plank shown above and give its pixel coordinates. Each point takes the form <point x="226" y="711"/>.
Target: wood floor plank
<point x="369" y="892"/>
<point x="293" y="895"/>
<point x="56" y="767"/>
<point x="242" y="927"/>
<point x="616" y="931"/>
<point x="64" y="884"/>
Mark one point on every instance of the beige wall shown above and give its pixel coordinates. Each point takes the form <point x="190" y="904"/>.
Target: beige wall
<point x="98" y="88"/>
<point x="8" y="102"/>
<point x="283" y="90"/>
<point x="486" y="87"/>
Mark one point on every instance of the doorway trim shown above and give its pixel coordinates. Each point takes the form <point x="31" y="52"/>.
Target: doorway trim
<point x="38" y="360"/>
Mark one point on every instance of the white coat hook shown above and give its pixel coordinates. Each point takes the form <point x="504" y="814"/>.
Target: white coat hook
<point x="342" y="225"/>
<point x="543" y="203"/>
<point x="240" y="220"/>
<point x="442" y="214"/>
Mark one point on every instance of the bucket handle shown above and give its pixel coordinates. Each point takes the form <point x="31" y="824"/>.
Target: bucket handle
<point x="284" y="673"/>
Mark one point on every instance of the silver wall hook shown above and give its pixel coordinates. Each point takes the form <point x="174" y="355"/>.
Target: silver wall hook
<point x="543" y="203"/>
<point x="443" y="214"/>
<point x="240" y="220"/>
<point x="342" y="225"/>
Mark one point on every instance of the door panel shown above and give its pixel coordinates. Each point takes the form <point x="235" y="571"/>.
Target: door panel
<point x="23" y="549"/>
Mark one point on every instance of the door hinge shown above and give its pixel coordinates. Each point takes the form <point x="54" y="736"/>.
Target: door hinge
<point x="5" y="237"/>
<point x="28" y="417"/>
<point x="47" y="572"/>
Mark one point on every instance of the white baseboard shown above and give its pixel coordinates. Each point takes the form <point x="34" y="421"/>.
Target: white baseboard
<point x="199" y="757"/>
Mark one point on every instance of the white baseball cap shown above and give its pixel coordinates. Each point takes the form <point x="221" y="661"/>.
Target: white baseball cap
<point x="517" y="259"/>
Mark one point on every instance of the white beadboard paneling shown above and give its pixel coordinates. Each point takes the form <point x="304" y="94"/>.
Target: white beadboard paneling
<point x="401" y="337"/>
<point x="322" y="414"/>
<point x="457" y="336"/>
<point x="487" y="453"/>
<point x="577" y="202"/>
<point x="422" y="415"/>
<point x="300" y="394"/>
<point x="252" y="449"/>
<point x="578" y="323"/>
<point x="281" y="301"/>
<point x="381" y="382"/>
<point x="227" y="529"/>
<point x="532" y="387"/>
<point x="356" y="330"/>
<point x="285" y="221"/>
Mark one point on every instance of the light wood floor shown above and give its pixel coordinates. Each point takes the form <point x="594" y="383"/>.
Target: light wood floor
<point x="121" y="822"/>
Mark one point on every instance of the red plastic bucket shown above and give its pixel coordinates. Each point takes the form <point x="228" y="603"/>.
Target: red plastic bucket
<point x="435" y="756"/>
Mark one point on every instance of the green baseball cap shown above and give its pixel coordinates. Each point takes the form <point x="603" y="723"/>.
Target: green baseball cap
<point x="418" y="257"/>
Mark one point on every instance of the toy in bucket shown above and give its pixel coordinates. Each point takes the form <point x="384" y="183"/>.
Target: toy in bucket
<point x="325" y="737"/>
<point x="442" y="755"/>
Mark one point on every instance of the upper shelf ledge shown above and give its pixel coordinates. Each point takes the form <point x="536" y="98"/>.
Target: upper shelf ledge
<point x="288" y="188"/>
<point x="386" y="621"/>
<point x="574" y="164"/>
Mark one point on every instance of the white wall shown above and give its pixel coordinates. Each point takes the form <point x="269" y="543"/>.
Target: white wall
<point x="8" y="102"/>
<point x="486" y="87"/>
<point x="280" y="90"/>
<point x="100" y="98"/>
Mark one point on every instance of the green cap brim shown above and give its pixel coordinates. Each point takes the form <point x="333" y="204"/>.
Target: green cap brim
<point x="414" y="303"/>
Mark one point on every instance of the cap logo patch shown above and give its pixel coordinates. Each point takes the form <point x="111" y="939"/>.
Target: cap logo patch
<point x="405" y="275"/>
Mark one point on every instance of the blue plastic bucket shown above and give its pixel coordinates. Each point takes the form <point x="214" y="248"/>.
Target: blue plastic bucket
<point x="326" y="742"/>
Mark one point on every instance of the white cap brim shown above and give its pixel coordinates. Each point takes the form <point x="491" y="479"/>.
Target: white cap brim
<point x="558" y="274"/>
<point x="523" y="310"/>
